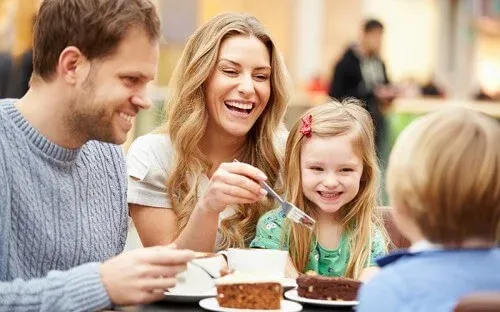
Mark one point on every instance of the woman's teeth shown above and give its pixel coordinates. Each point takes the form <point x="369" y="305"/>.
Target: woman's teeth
<point x="238" y="106"/>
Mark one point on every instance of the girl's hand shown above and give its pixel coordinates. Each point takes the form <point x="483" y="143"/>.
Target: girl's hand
<point x="233" y="183"/>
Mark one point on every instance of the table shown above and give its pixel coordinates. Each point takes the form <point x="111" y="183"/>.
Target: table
<point x="175" y="306"/>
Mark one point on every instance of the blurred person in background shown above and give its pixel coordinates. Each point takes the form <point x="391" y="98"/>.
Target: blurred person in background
<point x="361" y="73"/>
<point x="5" y="67"/>
<point x="20" y="74"/>
<point x="63" y="208"/>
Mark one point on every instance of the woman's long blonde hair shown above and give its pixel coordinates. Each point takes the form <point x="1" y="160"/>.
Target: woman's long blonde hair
<point x="187" y="118"/>
<point x="359" y="216"/>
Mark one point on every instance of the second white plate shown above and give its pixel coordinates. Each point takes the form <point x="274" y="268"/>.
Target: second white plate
<point x="293" y="295"/>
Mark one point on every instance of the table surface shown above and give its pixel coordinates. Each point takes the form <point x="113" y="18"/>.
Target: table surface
<point x="176" y="306"/>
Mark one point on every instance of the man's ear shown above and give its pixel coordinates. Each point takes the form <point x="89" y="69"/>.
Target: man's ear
<point x="72" y="65"/>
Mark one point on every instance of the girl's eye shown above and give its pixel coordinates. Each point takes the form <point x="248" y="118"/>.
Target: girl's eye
<point x="346" y="170"/>
<point x="317" y="168"/>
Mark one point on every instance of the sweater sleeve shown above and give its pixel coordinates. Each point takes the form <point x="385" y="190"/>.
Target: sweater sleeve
<point x="79" y="289"/>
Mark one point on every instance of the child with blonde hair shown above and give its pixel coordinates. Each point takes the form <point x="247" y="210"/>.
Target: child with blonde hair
<point x="330" y="172"/>
<point x="444" y="184"/>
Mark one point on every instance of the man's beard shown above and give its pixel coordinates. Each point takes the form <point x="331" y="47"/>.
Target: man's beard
<point x="89" y="120"/>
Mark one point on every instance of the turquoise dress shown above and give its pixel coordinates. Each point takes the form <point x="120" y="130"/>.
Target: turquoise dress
<point x="327" y="262"/>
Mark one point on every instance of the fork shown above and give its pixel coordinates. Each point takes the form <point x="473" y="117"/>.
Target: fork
<point x="290" y="210"/>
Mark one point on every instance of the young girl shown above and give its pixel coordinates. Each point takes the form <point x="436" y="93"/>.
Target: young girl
<point x="330" y="173"/>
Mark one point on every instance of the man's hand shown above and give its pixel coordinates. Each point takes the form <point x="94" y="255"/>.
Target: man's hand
<point x="142" y="275"/>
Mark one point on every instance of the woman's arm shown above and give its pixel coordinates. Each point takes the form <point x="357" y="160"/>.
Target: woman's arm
<point x="155" y="226"/>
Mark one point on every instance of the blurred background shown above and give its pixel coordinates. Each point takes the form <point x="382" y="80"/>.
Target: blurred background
<point x="437" y="52"/>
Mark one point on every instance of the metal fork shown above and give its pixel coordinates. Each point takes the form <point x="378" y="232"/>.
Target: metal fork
<point x="290" y="210"/>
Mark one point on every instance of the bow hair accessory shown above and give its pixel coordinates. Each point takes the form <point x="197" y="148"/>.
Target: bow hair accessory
<point x="306" y="126"/>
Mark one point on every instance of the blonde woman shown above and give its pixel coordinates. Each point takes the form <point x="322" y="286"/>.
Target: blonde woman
<point x="444" y="183"/>
<point x="330" y="172"/>
<point x="228" y="95"/>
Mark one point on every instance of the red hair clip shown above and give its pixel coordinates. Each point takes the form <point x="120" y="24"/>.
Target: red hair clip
<point x="306" y="126"/>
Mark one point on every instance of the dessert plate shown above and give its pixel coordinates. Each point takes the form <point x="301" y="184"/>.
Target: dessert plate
<point x="211" y="304"/>
<point x="288" y="283"/>
<point x="293" y="295"/>
<point x="189" y="297"/>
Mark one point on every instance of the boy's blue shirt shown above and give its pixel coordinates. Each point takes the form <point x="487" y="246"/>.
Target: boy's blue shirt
<point x="432" y="280"/>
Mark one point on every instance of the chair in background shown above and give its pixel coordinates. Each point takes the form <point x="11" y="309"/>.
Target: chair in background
<point x="397" y="239"/>
<point x="479" y="302"/>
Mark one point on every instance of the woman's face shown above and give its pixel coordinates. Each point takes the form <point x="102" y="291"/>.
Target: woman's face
<point x="239" y="87"/>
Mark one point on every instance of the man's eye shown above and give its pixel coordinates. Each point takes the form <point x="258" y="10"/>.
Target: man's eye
<point x="131" y="80"/>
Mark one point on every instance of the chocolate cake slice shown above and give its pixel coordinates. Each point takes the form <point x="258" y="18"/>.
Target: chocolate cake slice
<point x="314" y="286"/>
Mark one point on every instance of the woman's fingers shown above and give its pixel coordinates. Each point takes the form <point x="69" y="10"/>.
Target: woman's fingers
<point x="245" y="170"/>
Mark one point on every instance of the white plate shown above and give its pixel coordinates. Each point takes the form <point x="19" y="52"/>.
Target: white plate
<point x="288" y="283"/>
<point x="293" y="295"/>
<point x="211" y="304"/>
<point x="195" y="297"/>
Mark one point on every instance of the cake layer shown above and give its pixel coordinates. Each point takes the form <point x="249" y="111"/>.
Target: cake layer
<point x="259" y="296"/>
<point x="327" y="288"/>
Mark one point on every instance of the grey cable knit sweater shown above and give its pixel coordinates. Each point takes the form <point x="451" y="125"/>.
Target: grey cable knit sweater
<point x="61" y="213"/>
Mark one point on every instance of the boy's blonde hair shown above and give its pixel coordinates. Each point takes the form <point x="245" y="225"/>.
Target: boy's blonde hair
<point x="444" y="173"/>
<point x="359" y="216"/>
<point x="187" y="118"/>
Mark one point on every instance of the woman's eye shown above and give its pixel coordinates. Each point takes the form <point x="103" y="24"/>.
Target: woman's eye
<point x="229" y="72"/>
<point x="261" y="77"/>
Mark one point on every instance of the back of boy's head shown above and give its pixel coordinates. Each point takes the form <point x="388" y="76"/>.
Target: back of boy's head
<point x="334" y="119"/>
<point x="444" y="174"/>
<point x="96" y="27"/>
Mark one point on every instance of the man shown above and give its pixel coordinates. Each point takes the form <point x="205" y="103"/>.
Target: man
<point x="360" y="73"/>
<point x="63" y="208"/>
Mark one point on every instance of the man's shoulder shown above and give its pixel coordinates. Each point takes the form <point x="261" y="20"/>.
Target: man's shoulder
<point x="98" y="150"/>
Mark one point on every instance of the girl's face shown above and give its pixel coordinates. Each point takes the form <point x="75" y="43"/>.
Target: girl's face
<point x="239" y="88"/>
<point x="331" y="171"/>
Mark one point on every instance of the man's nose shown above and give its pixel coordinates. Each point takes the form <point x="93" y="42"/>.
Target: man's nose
<point x="143" y="101"/>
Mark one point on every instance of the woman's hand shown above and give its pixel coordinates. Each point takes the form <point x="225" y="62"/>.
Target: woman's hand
<point x="233" y="183"/>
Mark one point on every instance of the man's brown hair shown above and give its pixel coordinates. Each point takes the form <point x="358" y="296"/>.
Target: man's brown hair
<point x="444" y="173"/>
<point x="96" y="27"/>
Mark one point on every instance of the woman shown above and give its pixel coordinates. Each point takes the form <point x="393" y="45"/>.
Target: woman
<point x="228" y="95"/>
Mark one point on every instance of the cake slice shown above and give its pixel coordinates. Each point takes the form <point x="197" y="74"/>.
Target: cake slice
<point x="313" y="286"/>
<point x="242" y="291"/>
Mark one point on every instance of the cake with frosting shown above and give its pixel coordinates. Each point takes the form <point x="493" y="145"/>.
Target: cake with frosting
<point x="243" y="291"/>
<point x="314" y="286"/>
